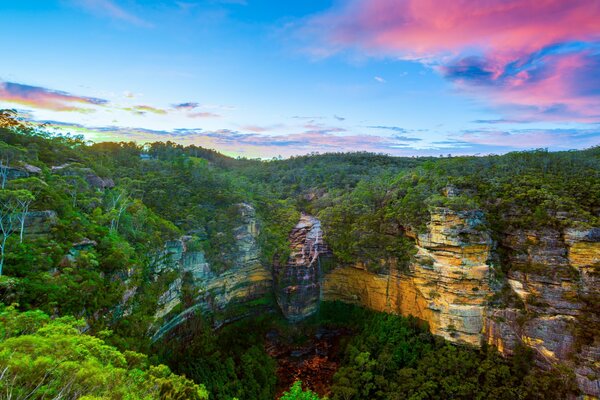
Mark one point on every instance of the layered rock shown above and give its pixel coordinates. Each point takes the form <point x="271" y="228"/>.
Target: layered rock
<point x="446" y="285"/>
<point x="550" y="275"/>
<point x="240" y="291"/>
<point x="297" y="283"/>
<point x="552" y="272"/>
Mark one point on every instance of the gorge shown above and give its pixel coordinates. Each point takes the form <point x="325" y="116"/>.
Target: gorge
<point x="355" y="273"/>
<point x="448" y="285"/>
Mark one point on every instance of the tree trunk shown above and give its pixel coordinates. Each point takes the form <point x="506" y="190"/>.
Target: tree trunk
<point x="23" y="216"/>
<point x="4" y="237"/>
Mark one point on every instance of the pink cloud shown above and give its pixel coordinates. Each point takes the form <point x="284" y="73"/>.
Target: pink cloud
<point x="530" y="53"/>
<point x="39" y="97"/>
<point x="256" y="128"/>
<point x="203" y="115"/>
<point x="419" y="28"/>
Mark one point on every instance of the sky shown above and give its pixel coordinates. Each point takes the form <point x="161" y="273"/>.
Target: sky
<point x="259" y="78"/>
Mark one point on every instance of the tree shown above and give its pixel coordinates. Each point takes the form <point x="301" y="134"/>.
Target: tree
<point x="296" y="393"/>
<point x="42" y="358"/>
<point x="118" y="201"/>
<point x="10" y="202"/>
<point x="8" y="154"/>
<point x="75" y="185"/>
<point x="32" y="185"/>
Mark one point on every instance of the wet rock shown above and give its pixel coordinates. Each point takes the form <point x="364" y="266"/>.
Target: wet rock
<point x="297" y="283"/>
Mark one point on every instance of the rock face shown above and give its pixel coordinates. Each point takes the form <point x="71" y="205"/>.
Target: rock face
<point x="554" y="274"/>
<point x="297" y="283"/>
<point x="86" y="173"/>
<point x="553" y="277"/>
<point x="238" y="292"/>
<point x="40" y="223"/>
<point x="446" y="285"/>
<point x="548" y="299"/>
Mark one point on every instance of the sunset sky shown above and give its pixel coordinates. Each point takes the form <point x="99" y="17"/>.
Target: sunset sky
<point x="260" y="78"/>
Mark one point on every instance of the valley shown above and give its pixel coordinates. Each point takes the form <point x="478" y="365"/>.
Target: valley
<point x="363" y="276"/>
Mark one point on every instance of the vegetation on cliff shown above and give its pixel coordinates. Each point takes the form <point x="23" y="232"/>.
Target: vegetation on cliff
<point x="82" y="225"/>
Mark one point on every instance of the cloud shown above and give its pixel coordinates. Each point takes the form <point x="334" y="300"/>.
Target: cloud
<point x="535" y="58"/>
<point x="108" y="8"/>
<point x="314" y="127"/>
<point x="389" y="128"/>
<point x="307" y="117"/>
<point x="258" y="128"/>
<point x="143" y="109"/>
<point x="332" y="139"/>
<point x="402" y="138"/>
<point x="234" y="142"/>
<point x="203" y="115"/>
<point x="43" y="98"/>
<point x="533" y="138"/>
<point x="501" y="121"/>
<point x="186" y="106"/>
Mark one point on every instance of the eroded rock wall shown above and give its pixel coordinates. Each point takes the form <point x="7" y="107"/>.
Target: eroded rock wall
<point x="554" y="273"/>
<point x="553" y="279"/>
<point x="298" y="281"/>
<point x="446" y="285"/>
<point x="233" y="294"/>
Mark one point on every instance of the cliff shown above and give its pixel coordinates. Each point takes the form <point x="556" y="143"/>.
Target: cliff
<point x="297" y="283"/>
<point x="547" y="300"/>
<point x="240" y="291"/>
<point x="446" y="285"/>
<point x="554" y="273"/>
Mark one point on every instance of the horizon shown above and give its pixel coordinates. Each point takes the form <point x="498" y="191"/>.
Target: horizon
<point x="264" y="79"/>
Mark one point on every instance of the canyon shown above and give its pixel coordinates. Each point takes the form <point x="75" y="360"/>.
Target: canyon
<point x="454" y="282"/>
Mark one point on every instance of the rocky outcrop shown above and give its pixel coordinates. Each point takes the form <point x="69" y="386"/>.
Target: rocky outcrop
<point x="22" y="171"/>
<point x="40" y="223"/>
<point x="297" y="283"/>
<point x="87" y="174"/>
<point x="552" y="272"/>
<point x="240" y="291"/>
<point x="553" y="277"/>
<point x="446" y="285"/>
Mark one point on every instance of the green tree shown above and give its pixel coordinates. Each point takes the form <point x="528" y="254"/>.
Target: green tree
<point x="297" y="393"/>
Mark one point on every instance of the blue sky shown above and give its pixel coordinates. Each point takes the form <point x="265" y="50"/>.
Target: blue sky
<point x="261" y="78"/>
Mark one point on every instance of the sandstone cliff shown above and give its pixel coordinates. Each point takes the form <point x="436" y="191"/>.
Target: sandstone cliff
<point x="555" y="275"/>
<point x="446" y="285"/>
<point x="546" y="300"/>
<point x="240" y="291"/>
<point x="552" y="279"/>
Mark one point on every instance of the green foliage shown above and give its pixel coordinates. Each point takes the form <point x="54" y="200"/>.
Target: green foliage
<point x="393" y="357"/>
<point x="231" y="362"/>
<point x="43" y="358"/>
<point x="296" y="393"/>
<point x="366" y="202"/>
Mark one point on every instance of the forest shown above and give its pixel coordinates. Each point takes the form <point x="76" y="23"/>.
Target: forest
<point x="82" y="222"/>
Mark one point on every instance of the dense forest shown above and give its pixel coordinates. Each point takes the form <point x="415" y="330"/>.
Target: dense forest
<point x="82" y="222"/>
